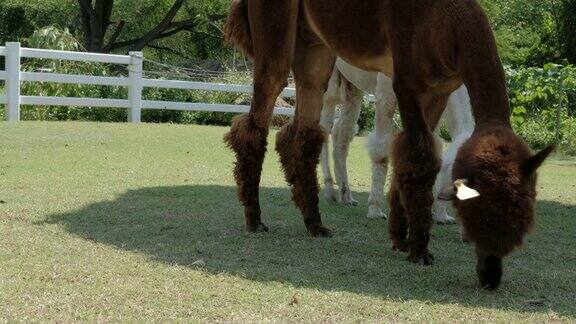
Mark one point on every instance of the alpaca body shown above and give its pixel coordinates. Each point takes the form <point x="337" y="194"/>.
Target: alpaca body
<point x="430" y="48"/>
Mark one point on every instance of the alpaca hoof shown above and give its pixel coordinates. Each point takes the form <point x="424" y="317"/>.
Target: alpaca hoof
<point x="375" y="212"/>
<point x="257" y="228"/>
<point x="444" y="219"/>
<point x="322" y="232"/>
<point x="330" y="194"/>
<point x="423" y="260"/>
<point x="400" y="246"/>
<point x="349" y="201"/>
<point x="346" y="197"/>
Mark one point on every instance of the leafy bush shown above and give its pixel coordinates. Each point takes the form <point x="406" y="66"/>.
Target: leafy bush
<point x="54" y="38"/>
<point x="568" y="142"/>
<point x="544" y="101"/>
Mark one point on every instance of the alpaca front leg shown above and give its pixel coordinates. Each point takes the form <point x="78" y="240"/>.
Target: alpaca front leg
<point x="343" y="134"/>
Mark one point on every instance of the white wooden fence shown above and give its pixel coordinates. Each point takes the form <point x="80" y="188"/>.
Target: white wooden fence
<point x="135" y="82"/>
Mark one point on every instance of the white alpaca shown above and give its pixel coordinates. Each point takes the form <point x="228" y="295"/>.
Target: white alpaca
<point x="347" y="86"/>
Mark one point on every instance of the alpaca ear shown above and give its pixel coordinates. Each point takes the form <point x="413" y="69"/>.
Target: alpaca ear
<point x="532" y="163"/>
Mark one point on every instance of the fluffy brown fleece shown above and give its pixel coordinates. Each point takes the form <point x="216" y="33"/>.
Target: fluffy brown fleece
<point x="299" y="154"/>
<point x="248" y="141"/>
<point x="397" y="223"/>
<point x="411" y="195"/>
<point x="237" y="29"/>
<point x="501" y="168"/>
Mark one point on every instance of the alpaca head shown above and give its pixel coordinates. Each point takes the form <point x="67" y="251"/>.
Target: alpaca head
<point x="494" y="193"/>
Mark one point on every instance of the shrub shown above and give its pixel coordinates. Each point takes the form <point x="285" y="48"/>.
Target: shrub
<point x="541" y="98"/>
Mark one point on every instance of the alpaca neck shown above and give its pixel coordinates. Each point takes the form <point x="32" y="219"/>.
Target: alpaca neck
<point x="479" y="64"/>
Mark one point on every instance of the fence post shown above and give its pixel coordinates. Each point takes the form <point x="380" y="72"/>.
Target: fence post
<point x="135" y="88"/>
<point x="13" y="81"/>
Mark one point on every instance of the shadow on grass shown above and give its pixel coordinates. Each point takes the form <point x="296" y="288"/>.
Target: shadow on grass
<point x="181" y="225"/>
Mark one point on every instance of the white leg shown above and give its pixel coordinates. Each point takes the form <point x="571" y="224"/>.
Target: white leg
<point x="342" y="135"/>
<point x="332" y="97"/>
<point x="460" y="122"/>
<point x="379" y="151"/>
<point x="379" y="144"/>
<point x="439" y="208"/>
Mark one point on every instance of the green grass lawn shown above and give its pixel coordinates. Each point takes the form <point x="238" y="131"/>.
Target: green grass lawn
<point x="117" y="222"/>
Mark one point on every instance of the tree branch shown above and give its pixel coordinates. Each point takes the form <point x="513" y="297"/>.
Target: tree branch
<point x="152" y="34"/>
<point x="177" y="27"/>
<point x="173" y="51"/>
<point x="114" y="36"/>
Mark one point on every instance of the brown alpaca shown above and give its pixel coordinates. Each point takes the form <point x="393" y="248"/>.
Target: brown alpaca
<point x="429" y="47"/>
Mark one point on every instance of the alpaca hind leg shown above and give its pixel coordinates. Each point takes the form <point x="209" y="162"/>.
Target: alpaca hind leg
<point x="299" y="143"/>
<point x="332" y="97"/>
<point x="439" y="208"/>
<point x="247" y="137"/>
<point x="379" y="143"/>
<point x="343" y="134"/>
<point x="460" y="122"/>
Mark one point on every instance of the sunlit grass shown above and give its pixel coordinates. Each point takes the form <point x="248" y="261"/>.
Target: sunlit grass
<point x="119" y="222"/>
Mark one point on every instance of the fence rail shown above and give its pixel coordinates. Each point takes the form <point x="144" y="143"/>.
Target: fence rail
<point x="135" y="82"/>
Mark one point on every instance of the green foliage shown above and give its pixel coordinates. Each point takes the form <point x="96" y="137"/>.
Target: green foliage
<point x="54" y="38"/>
<point x="533" y="32"/>
<point x="568" y="141"/>
<point x="366" y="120"/>
<point x="543" y="99"/>
<point x="20" y="18"/>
